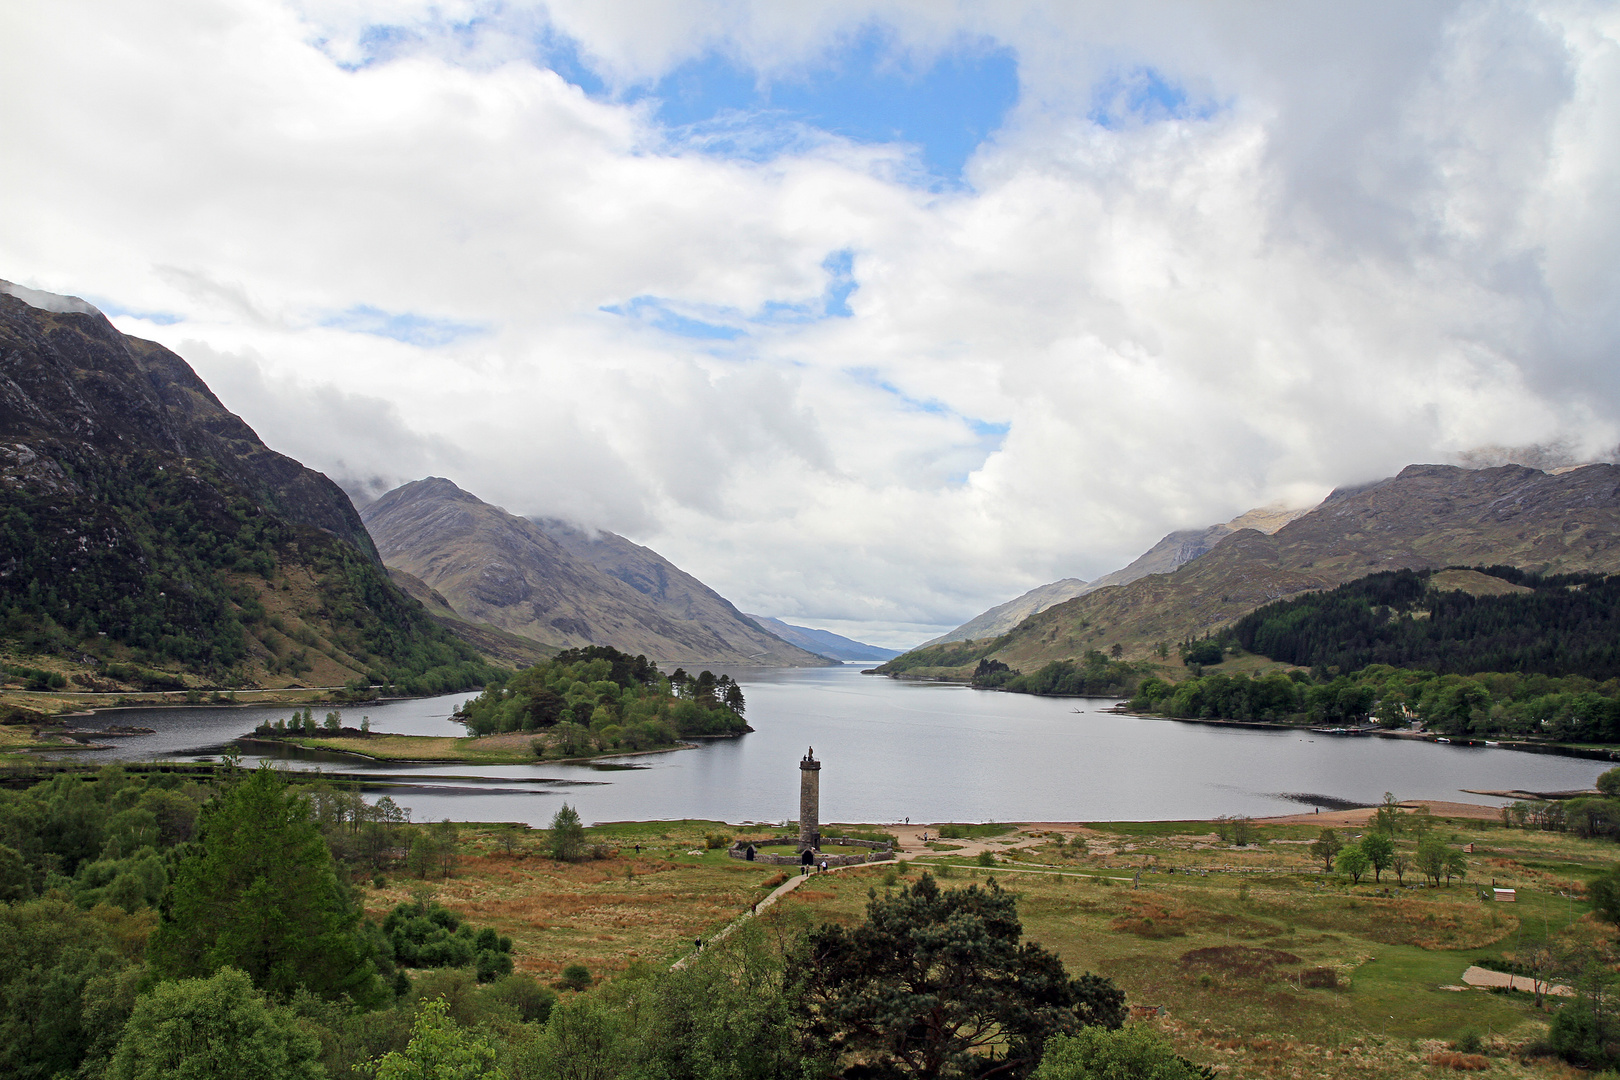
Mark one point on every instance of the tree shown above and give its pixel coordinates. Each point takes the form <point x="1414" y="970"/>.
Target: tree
<point x="1400" y="864"/>
<point x="567" y="835"/>
<point x="1353" y="861"/>
<point x="1390" y="817"/>
<point x="439" y="1049"/>
<point x="938" y="983"/>
<point x="51" y="956"/>
<point x="218" y="1028"/>
<point x="1325" y="847"/>
<point x="1380" y="852"/>
<point x="1609" y="782"/>
<point x="584" y="1040"/>
<point x="1431" y="858"/>
<point x="694" y="1013"/>
<point x="1136" y="1052"/>
<point x="1604" y="893"/>
<point x="258" y="892"/>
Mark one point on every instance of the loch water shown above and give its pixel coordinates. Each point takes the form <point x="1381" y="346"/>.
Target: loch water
<point x="892" y="750"/>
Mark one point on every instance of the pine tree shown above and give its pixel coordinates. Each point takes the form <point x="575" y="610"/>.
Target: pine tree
<point x="258" y="892"/>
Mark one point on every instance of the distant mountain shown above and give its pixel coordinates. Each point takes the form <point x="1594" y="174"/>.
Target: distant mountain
<point x="825" y="642"/>
<point x="1429" y="516"/>
<point x="1176" y="549"/>
<point x="145" y="529"/>
<point x="561" y="586"/>
<point x="1179" y="548"/>
<point x="1003" y="617"/>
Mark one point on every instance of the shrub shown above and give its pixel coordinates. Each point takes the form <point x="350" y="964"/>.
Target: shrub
<point x="1321" y="978"/>
<point x="986" y="859"/>
<point x="576" y="977"/>
<point x="491" y="964"/>
<point x="524" y="996"/>
<point x="716" y="841"/>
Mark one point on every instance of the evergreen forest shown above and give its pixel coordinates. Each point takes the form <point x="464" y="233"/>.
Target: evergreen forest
<point x="1567" y="624"/>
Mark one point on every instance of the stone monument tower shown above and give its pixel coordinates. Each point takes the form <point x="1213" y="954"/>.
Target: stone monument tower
<point x="810" y="802"/>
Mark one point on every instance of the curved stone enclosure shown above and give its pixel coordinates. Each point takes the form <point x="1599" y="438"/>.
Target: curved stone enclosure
<point x="877" y="851"/>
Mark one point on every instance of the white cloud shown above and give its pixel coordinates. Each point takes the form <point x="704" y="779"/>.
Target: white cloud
<point x="1384" y="234"/>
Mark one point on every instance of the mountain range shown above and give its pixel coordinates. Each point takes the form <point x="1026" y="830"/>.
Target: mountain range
<point x="1428" y="516"/>
<point x="560" y="585"/>
<point x="825" y="642"/>
<point x="144" y="525"/>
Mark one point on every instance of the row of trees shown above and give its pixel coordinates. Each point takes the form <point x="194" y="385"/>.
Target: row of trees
<point x="1381" y="848"/>
<point x="600" y="698"/>
<point x="1094" y="675"/>
<point x="1569" y="708"/>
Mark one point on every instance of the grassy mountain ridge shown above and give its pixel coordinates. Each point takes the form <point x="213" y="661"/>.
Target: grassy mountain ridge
<point x="144" y="528"/>
<point x="1426" y="517"/>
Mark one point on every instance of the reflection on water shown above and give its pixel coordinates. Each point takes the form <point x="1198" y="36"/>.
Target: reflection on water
<point x="893" y="750"/>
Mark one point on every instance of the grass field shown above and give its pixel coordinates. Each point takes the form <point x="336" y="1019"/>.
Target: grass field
<point x="1228" y="944"/>
<point x="606" y="913"/>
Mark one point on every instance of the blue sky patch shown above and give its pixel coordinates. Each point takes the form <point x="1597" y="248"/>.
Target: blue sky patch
<point x="864" y="92"/>
<point x="1143" y="95"/>
<point x="660" y="314"/>
<point x="990" y="433"/>
<point x="711" y="323"/>
<point x="116" y="311"/>
<point x="418" y="330"/>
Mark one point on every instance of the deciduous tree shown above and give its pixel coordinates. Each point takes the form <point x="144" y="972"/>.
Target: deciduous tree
<point x="1326" y="846"/>
<point x="218" y="1028"/>
<point x="1353" y="861"/>
<point x="1380" y="852"/>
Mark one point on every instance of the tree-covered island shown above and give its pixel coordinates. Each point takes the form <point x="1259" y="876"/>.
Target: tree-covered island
<point x="582" y="702"/>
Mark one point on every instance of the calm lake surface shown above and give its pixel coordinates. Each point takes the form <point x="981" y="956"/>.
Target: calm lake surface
<point x="892" y="750"/>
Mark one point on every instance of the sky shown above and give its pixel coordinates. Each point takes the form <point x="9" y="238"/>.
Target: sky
<point x="869" y="314"/>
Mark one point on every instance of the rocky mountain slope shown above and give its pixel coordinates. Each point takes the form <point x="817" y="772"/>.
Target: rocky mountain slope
<point x="1176" y="549"/>
<point x="145" y="529"/>
<point x="824" y="642"/>
<point x="1179" y="548"/>
<point x="1003" y="617"/>
<point x="561" y="586"/>
<point x="1428" y="516"/>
